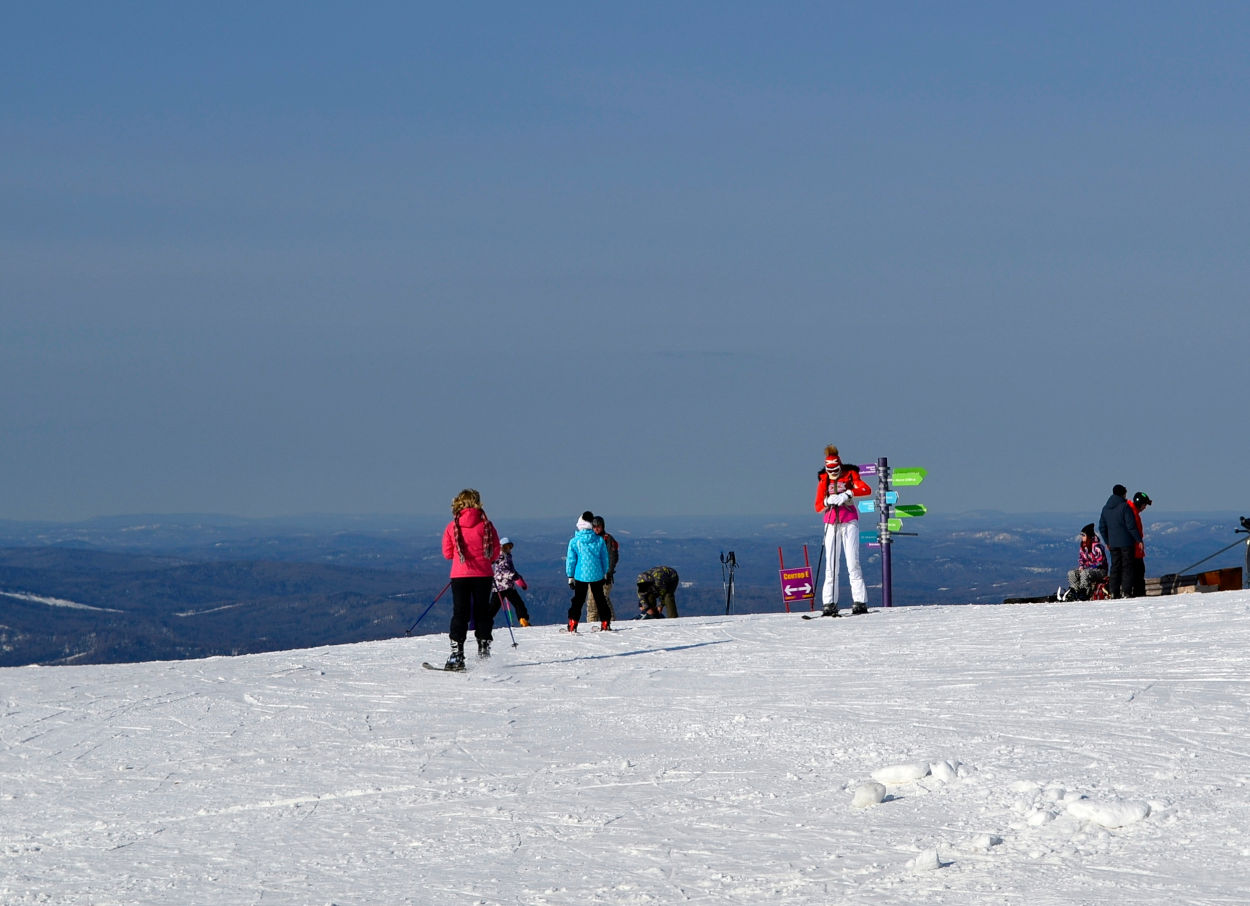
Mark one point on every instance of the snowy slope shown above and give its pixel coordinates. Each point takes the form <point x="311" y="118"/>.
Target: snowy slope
<point x="1064" y="753"/>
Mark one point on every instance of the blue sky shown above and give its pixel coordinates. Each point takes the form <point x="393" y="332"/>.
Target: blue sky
<point x="281" y="258"/>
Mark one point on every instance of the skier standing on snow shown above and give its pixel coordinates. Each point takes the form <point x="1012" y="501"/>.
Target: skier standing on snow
<point x="657" y="589"/>
<point x="614" y="555"/>
<point x="838" y="486"/>
<point x="507" y="579"/>
<point x="470" y="543"/>
<point x="1118" y="526"/>
<point x="586" y="565"/>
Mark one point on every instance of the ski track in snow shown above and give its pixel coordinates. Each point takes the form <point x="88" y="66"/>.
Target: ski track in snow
<point x="1033" y="754"/>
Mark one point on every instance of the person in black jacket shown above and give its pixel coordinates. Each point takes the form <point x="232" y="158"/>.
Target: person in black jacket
<point x="1118" y="527"/>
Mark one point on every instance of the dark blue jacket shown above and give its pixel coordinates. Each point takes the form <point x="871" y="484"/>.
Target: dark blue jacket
<point x="1117" y="524"/>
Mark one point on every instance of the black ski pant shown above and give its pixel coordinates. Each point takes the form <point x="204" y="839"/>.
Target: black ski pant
<point x="471" y="597"/>
<point x="579" y="598"/>
<point x="513" y="597"/>
<point x="1120" y="577"/>
<point x="1138" y="571"/>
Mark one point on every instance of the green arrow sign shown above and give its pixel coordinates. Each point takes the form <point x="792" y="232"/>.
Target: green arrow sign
<point x="903" y="509"/>
<point x="891" y="525"/>
<point x="907" y="478"/>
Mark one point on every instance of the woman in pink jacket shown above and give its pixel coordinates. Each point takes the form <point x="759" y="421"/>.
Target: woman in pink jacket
<point x="471" y="544"/>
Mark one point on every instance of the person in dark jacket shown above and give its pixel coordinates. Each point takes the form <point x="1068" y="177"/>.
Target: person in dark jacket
<point x="1118" y="527"/>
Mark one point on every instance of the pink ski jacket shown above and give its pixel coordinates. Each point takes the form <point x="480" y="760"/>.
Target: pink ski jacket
<point x="479" y="545"/>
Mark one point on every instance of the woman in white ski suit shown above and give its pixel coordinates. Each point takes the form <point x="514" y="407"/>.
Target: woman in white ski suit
<point x="836" y="491"/>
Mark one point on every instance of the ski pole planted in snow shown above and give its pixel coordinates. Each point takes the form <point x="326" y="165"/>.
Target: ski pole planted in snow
<point x="507" y="615"/>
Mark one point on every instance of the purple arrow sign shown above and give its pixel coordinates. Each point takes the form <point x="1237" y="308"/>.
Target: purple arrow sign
<point x="796" y="584"/>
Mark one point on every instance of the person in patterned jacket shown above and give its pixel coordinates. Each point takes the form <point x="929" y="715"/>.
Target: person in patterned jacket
<point x="507" y="580"/>
<point x="656" y="588"/>
<point x="1091" y="565"/>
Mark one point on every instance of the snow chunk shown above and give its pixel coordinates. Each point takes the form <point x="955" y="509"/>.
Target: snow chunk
<point x="868" y="793"/>
<point x="896" y="774"/>
<point x="944" y="771"/>
<point x="985" y="842"/>
<point x="1109" y="814"/>
<point x="926" y="861"/>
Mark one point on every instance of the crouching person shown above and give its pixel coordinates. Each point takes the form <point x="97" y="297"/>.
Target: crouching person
<point x="657" y="589"/>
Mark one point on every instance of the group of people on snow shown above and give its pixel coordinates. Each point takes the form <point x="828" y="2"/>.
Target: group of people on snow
<point x="484" y="577"/>
<point x="1120" y="525"/>
<point x="1124" y="570"/>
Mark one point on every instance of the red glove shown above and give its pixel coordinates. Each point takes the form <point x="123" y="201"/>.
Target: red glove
<point x="1141" y="551"/>
<point x="521" y="583"/>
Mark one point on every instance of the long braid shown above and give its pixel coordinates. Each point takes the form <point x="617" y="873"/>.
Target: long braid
<point x="459" y="535"/>
<point x="490" y="538"/>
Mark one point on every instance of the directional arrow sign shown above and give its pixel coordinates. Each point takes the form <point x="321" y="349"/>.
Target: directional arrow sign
<point x="870" y="506"/>
<point x="796" y="584"/>
<point x="911" y="509"/>
<point x="868" y="537"/>
<point x="907" y="478"/>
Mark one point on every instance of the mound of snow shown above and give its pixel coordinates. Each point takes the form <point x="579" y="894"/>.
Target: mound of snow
<point x="868" y="793"/>
<point x="896" y="774"/>
<point x="1109" y="814"/>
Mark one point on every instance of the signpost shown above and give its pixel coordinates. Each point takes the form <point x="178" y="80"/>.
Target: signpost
<point x="887" y="508"/>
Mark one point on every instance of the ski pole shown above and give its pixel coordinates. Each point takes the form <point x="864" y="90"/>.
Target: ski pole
<point x="818" y="578"/>
<point x="507" y="614"/>
<point x="409" y="630"/>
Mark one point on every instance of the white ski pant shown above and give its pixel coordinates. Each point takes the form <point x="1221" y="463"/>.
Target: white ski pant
<point x="843" y="539"/>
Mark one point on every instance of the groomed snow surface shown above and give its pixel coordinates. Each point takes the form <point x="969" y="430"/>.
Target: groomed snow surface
<point x="1031" y="754"/>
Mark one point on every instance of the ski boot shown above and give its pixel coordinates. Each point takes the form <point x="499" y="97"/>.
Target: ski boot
<point x="524" y="622"/>
<point x="859" y="607"/>
<point x="456" y="661"/>
<point x="830" y="610"/>
<point x="572" y="625"/>
<point x="605" y="626"/>
<point x="483" y="647"/>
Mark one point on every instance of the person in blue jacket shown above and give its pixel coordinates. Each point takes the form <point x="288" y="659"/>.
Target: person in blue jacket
<point x="586" y="564"/>
<point x="1118" y="526"/>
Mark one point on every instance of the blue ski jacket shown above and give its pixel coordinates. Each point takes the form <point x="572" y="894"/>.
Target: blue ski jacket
<point x="587" y="558"/>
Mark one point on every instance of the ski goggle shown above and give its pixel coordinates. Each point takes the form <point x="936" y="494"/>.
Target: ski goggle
<point x="833" y="466"/>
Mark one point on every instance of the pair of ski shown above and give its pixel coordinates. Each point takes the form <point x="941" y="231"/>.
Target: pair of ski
<point x="849" y="613"/>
